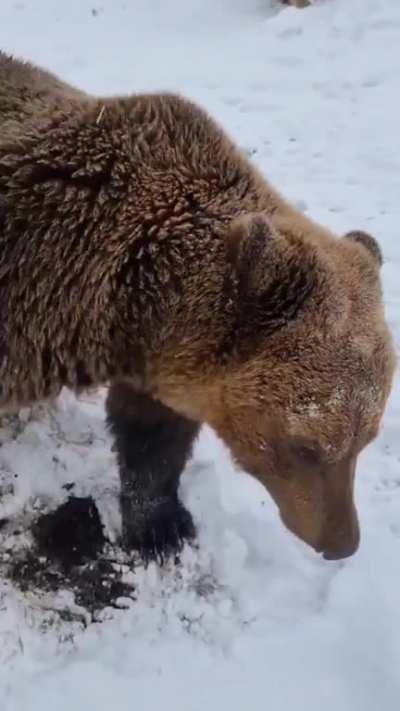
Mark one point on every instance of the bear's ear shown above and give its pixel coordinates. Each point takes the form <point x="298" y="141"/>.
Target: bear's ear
<point x="368" y="242"/>
<point x="275" y="273"/>
<point x="252" y="243"/>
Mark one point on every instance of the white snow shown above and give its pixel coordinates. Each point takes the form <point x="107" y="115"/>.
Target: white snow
<point x="252" y="619"/>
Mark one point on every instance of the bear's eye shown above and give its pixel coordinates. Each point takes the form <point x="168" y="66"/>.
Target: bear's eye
<point x="308" y="455"/>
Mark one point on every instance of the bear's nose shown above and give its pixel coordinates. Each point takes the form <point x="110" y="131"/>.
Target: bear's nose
<point x="339" y="554"/>
<point x="342" y="547"/>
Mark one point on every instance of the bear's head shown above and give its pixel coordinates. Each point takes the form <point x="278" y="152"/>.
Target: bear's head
<point x="312" y="370"/>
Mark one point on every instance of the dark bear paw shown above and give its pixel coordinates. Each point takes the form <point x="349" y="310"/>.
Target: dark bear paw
<point x="157" y="529"/>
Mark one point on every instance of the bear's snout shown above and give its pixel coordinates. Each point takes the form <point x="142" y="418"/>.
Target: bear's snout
<point x="320" y="510"/>
<point x="343" y="539"/>
<point x="341" y="531"/>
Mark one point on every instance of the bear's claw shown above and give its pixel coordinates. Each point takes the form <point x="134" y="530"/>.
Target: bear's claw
<point x="158" y="530"/>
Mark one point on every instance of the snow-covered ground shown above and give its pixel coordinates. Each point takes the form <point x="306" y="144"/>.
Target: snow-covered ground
<point x="252" y="618"/>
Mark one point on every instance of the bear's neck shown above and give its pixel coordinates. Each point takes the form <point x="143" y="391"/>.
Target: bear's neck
<point x="181" y="299"/>
<point x="178" y="309"/>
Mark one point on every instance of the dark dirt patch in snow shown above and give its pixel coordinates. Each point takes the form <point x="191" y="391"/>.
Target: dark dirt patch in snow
<point x="95" y="585"/>
<point x="71" y="534"/>
<point x="69" y="555"/>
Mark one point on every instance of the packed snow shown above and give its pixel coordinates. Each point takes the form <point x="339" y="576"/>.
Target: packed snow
<point x="250" y="618"/>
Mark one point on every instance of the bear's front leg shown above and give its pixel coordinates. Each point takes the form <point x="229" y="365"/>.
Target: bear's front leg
<point x="153" y="444"/>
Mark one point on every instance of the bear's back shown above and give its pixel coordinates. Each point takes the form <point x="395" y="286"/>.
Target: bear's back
<point x="27" y="91"/>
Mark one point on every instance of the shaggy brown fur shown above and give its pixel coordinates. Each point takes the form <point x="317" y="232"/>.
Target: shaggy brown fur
<point x="140" y="247"/>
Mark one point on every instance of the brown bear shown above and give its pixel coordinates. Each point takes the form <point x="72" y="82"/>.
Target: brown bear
<point x="140" y="249"/>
